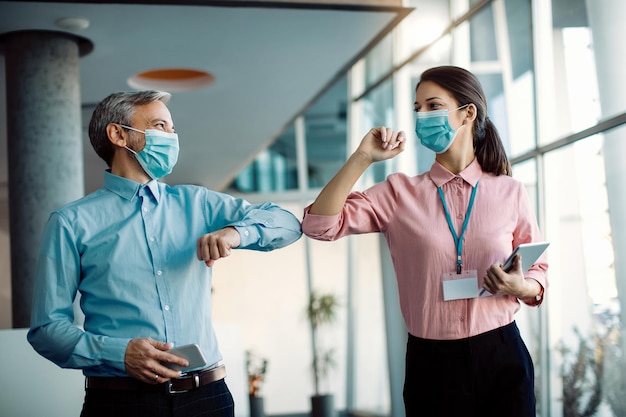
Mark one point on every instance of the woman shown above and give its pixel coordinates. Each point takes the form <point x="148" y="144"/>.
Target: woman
<point x="450" y="226"/>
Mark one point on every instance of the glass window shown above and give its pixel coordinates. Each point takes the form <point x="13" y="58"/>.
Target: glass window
<point x="529" y="319"/>
<point x="519" y="33"/>
<point x="483" y="36"/>
<point x="274" y="169"/>
<point x="326" y="134"/>
<point x="380" y="60"/>
<point x="501" y="58"/>
<point x="584" y="305"/>
<point x="575" y="88"/>
<point x="425" y="24"/>
<point x="371" y="376"/>
<point x="378" y="111"/>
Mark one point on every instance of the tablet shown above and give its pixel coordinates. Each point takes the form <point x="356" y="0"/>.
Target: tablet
<point x="530" y="252"/>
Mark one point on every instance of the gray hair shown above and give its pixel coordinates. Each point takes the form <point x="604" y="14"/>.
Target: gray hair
<point x="117" y="108"/>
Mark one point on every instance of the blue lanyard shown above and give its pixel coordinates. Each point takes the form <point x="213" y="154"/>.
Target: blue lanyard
<point x="458" y="240"/>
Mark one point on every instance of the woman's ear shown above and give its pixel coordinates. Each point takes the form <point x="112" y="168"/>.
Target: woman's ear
<point x="471" y="112"/>
<point x="116" y="134"/>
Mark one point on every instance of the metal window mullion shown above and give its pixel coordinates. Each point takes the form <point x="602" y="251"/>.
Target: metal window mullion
<point x="301" y="157"/>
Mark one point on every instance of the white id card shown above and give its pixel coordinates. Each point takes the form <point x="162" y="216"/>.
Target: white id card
<point x="460" y="286"/>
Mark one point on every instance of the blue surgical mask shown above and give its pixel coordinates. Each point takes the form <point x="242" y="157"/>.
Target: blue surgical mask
<point x="159" y="155"/>
<point x="433" y="129"/>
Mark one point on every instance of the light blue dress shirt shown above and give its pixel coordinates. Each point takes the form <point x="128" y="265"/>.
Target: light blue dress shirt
<point x="130" y="251"/>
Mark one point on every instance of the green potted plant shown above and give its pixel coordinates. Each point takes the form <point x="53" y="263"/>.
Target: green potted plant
<point x="256" y="368"/>
<point x="321" y="311"/>
<point x="582" y="372"/>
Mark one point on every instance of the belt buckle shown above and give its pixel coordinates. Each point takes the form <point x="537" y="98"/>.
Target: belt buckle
<point x="196" y="383"/>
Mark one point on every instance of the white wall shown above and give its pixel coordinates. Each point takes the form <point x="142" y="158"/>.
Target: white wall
<point x="34" y="386"/>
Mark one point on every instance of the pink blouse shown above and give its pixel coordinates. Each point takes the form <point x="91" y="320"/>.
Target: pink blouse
<point x="409" y="212"/>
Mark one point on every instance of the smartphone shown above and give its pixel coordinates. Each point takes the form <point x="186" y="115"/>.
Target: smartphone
<point x="190" y="352"/>
<point x="530" y="252"/>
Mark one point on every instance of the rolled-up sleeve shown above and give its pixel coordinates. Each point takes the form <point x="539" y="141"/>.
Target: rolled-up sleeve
<point x="363" y="212"/>
<point x="266" y="226"/>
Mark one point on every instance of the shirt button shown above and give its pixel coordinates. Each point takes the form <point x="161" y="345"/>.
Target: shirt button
<point x="246" y="233"/>
<point x="145" y="209"/>
<point x="462" y="318"/>
<point x="159" y="273"/>
<point x="152" y="239"/>
<point x="167" y="308"/>
<point x="459" y="216"/>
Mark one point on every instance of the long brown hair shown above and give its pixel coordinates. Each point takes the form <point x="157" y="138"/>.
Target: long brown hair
<point x="465" y="88"/>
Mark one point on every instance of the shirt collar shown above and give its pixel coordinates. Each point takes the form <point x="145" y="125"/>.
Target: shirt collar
<point x="471" y="174"/>
<point x="126" y="188"/>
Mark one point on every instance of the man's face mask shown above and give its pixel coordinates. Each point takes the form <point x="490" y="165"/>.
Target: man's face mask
<point x="433" y="129"/>
<point x="159" y="155"/>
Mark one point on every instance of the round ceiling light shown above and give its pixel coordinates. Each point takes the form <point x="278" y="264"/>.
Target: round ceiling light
<point x="73" y="23"/>
<point x="171" y="79"/>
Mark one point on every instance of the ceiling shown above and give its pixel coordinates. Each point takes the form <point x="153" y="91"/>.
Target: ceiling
<point x="271" y="60"/>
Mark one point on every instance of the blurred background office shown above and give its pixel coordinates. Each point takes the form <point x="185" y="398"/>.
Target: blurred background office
<point x="269" y="99"/>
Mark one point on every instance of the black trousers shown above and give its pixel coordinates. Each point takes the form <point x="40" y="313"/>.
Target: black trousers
<point x="212" y="400"/>
<point x="489" y="375"/>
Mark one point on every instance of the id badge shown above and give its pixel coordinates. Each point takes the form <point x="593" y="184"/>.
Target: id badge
<point x="460" y="286"/>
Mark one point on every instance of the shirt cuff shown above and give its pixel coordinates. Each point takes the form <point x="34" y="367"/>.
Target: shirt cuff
<point x="248" y="235"/>
<point x="319" y="225"/>
<point x="534" y="301"/>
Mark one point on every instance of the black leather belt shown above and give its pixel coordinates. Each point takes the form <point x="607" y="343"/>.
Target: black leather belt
<point x="187" y="382"/>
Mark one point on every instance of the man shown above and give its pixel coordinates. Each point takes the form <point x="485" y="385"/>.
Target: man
<point x="140" y="254"/>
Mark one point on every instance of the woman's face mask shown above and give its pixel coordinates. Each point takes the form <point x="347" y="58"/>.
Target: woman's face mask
<point x="433" y="129"/>
<point x="160" y="154"/>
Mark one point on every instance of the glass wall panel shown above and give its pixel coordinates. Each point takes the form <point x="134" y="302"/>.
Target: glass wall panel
<point x="528" y="318"/>
<point x="519" y="32"/>
<point x="425" y="24"/>
<point x="587" y="357"/>
<point x="379" y="110"/>
<point x="371" y="379"/>
<point x="326" y="134"/>
<point x="379" y="61"/>
<point x="498" y="39"/>
<point x="575" y="86"/>
<point x="483" y="45"/>
<point x="276" y="168"/>
<point x="501" y="58"/>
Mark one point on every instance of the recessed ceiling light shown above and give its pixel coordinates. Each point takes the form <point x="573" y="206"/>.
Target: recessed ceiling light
<point x="171" y="79"/>
<point x="73" y="23"/>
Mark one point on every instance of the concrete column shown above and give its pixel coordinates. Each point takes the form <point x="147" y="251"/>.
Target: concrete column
<point x="44" y="145"/>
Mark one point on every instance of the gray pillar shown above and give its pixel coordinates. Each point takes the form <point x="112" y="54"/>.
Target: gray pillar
<point x="44" y="145"/>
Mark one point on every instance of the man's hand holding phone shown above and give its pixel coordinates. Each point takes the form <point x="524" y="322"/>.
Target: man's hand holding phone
<point x="144" y="360"/>
<point x="192" y="355"/>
